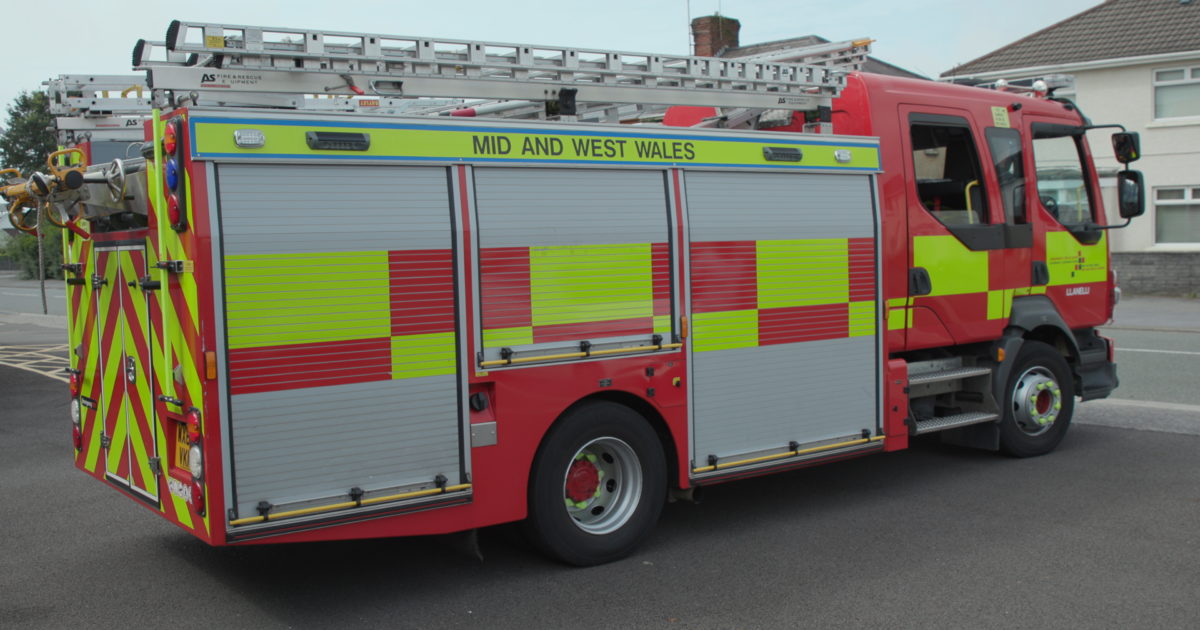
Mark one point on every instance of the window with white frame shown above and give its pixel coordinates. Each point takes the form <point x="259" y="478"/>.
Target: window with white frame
<point x="1177" y="214"/>
<point x="1177" y="92"/>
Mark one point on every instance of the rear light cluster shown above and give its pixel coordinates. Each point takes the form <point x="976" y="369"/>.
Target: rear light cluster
<point x="76" y="411"/>
<point x="174" y="178"/>
<point x="196" y="460"/>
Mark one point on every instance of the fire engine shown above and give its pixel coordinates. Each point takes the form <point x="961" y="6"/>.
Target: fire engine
<point x="313" y="302"/>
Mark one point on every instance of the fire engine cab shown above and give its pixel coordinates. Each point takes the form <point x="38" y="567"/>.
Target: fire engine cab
<point x="299" y="318"/>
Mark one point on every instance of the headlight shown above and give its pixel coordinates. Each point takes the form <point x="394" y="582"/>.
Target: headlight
<point x="195" y="461"/>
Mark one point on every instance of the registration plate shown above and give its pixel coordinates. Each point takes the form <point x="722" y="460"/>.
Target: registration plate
<point x="182" y="445"/>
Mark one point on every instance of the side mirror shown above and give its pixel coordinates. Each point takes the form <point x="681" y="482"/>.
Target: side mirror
<point x="1131" y="194"/>
<point x="1126" y="146"/>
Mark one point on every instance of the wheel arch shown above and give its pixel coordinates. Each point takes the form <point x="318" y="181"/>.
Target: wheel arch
<point x="1035" y="318"/>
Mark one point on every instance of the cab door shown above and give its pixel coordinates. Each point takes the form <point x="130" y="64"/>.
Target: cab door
<point x="1012" y="272"/>
<point x="959" y="263"/>
<point x="1072" y="252"/>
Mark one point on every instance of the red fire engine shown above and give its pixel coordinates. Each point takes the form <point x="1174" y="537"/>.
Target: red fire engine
<point x="298" y="318"/>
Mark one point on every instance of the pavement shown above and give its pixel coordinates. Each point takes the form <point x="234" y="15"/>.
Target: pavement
<point x="1145" y="312"/>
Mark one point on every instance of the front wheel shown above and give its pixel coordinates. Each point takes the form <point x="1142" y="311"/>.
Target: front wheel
<point x="1038" y="403"/>
<point x="598" y="485"/>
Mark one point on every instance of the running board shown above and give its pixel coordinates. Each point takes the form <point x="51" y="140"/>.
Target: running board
<point x="942" y="423"/>
<point x="953" y="374"/>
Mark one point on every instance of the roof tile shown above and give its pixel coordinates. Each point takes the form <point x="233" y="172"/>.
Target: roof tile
<point x="1112" y="30"/>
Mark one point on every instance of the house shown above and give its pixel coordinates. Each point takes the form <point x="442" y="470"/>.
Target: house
<point x="1134" y="62"/>
<point x="717" y="36"/>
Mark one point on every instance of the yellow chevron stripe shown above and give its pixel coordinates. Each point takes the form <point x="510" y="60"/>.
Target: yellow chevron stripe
<point x="140" y="451"/>
<point x="93" y="446"/>
<point x="174" y="344"/>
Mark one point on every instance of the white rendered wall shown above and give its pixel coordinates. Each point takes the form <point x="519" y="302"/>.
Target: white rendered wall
<point x="1170" y="148"/>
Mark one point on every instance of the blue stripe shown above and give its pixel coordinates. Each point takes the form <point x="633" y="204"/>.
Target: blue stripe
<point x="535" y="131"/>
<point x="473" y="160"/>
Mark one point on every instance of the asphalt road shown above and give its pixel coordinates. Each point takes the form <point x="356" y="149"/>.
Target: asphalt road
<point x="25" y="296"/>
<point x="1102" y="533"/>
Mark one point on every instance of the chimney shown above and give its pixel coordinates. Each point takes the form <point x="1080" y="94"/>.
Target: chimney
<point x="712" y="34"/>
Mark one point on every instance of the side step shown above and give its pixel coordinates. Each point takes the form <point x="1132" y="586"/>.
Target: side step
<point x="952" y="374"/>
<point x="946" y="394"/>
<point x="932" y="425"/>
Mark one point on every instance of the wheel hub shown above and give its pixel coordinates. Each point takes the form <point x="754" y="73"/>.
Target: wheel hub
<point x="602" y="485"/>
<point x="1037" y="401"/>
<point x="583" y="480"/>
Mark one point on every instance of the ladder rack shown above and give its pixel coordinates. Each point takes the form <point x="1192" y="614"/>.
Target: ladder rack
<point x="211" y="58"/>
<point x="97" y="95"/>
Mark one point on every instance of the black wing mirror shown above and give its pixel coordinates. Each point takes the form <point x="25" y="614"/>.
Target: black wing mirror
<point x="1126" y="146"/>
<point x="1131" y="193"/>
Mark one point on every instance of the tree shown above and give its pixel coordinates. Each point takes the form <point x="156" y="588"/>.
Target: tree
<point x="28" y="139"/>
<point x="29" y="134"/>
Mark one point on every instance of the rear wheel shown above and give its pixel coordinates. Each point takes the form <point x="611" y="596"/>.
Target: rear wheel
<point x="598" y="485"/>
<point x="1039" y="401"/>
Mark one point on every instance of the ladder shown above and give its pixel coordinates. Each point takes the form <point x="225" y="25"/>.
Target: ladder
<point x="851" y="53"/>
<point x="98" y="107"/>
<point x="113" y="107"/>
<point x="207" y="59"/>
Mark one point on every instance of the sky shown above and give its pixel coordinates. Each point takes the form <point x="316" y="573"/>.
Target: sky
<point x="924" y="36"/>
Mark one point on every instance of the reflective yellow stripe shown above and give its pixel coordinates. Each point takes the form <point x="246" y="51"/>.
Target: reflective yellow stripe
<point x="803" y="272"/>
<point x="277" y="299"/>
<point x="588" y="283"/>
<point x="1071" y="262"/>
<point x="953" y="269"/>
<point x="501" y="337"/>
<point x="999" y="303"/>
<point x="663" y="325"/>
<point x="429" y="354"/>
<point x="535" y="146"/>
<point x="899" y="313"/>
<point x="725" y="330"/>
<point x="862" y="318"/>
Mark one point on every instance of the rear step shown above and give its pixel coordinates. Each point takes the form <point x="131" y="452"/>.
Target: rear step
<point x="932" y="425"/>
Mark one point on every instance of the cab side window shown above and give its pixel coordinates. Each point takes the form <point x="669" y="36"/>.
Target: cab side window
<point x="1009" y="161"/>
<point x="948" y="177"/>
<point x="1061" y="185"/>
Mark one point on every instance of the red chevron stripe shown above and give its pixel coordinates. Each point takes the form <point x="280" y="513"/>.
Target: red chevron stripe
<point x="113" y="402"/>
<point x="141" y="423"/>
<point x="184" y="318"/>
<point x="141" y="420"/>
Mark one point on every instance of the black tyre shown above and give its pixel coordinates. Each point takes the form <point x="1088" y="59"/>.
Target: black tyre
<point x="1038" y="402"/>
<point x="598" y="485"/>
